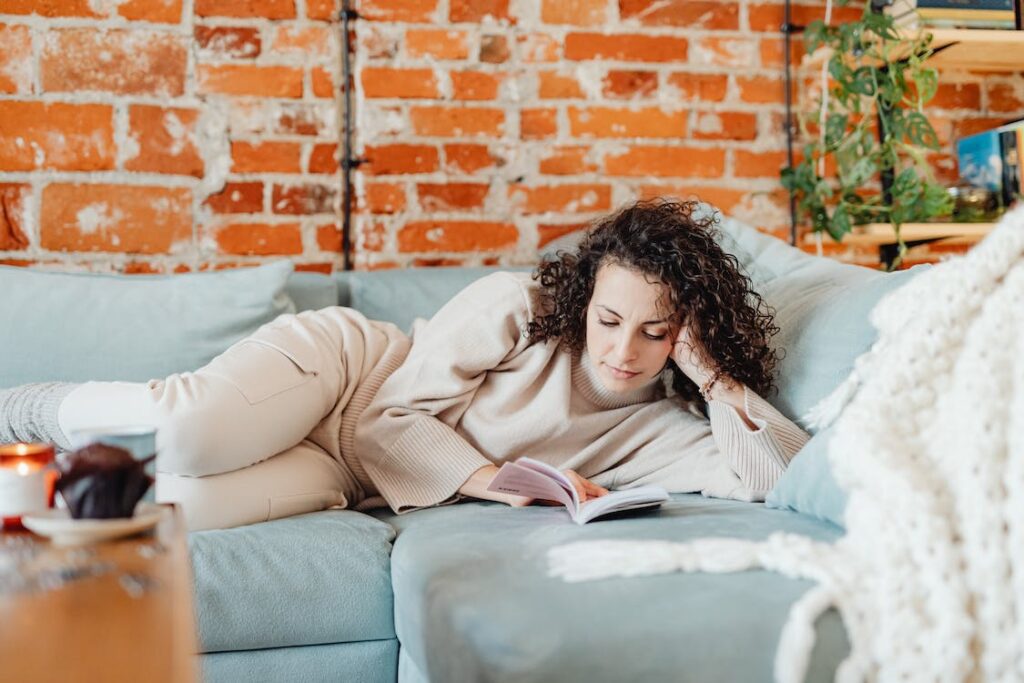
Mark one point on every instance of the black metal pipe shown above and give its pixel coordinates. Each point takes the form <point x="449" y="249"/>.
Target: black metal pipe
<point x="347" y="162"/>
<point x="788" y="29"/>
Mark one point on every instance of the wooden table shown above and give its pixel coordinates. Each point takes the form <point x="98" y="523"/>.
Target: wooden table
<point x="133" y="621"/>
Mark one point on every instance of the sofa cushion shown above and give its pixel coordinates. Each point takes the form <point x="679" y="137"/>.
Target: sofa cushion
<point x="473" y="600"/>
<point x="312" y="579"/>
<point x="369" y="661"/>
<point x="78" y="326"/>
<point x="311" y="291"/>
<point x="401" y="296"/>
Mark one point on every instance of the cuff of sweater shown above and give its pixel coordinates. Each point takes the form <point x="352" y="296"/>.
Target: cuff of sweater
<point x="425" y="467"/>
<point x="758" y="456"/>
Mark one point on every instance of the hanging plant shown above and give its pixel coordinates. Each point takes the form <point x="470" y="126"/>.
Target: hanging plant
<point x="870" y="125"/>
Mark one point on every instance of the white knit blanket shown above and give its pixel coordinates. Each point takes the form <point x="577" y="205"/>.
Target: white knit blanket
<point x="929" y="578"/>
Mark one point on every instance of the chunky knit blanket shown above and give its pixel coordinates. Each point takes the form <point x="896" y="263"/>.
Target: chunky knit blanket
<point x="929" y="578"/>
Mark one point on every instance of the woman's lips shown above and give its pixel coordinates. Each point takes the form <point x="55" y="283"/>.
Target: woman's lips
<point x="620" y="374"/>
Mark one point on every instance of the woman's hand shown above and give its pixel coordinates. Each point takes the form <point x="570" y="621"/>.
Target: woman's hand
<point x="585" y="489"/>
<point x="692" y="357"/>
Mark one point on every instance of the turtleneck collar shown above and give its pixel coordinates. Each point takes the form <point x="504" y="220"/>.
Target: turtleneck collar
<point x="584" y="378"/>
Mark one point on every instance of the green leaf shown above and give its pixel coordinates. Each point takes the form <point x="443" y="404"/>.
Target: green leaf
<point x="835" y="130"/>
<point x="840" y="224"/>
<point x="927" y="81"/>
<point x="920" y="132"/>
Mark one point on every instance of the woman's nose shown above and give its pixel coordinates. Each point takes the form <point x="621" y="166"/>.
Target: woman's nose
<point x="625" y="350"/>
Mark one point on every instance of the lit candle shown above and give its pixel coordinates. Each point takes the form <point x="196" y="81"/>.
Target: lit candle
<point x="24" y="483"/>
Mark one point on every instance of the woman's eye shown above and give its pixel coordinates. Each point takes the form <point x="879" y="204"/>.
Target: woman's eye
<point x="654" y="337"/>
<point x="607" y="323"/>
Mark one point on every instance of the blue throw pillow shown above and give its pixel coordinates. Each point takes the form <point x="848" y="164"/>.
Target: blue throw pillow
<point x="808" y="486"/>
<point x="77" y="327"/>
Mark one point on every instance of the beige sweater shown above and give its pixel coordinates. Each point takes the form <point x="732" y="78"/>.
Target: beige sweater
<point x="473" y="392"/>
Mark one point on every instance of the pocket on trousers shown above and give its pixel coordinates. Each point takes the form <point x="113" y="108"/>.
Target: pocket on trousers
<point x="286" y="369"/>
<point x="301" y="503"/>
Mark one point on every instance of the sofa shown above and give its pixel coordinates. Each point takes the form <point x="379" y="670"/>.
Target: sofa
<point x="462" y="592"/>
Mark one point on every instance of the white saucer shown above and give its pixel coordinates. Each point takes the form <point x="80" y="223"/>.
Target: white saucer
<point x="61" y="529"/>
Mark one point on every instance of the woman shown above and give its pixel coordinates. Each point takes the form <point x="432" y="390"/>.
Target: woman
<point x="570" y="367"/>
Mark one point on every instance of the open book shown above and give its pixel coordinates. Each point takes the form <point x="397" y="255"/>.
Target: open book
<point x="535" y="479"/>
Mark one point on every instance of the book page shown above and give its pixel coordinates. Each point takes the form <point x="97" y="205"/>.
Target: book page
<point x="524" y="481"/>
<point x="619" y="501"/>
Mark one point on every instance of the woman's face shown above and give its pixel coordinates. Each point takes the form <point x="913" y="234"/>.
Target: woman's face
<point x="629" y="338"/>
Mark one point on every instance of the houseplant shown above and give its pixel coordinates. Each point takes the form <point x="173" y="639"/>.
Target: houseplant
<point x="867" y="138"/>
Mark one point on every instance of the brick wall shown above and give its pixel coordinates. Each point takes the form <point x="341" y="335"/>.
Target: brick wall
<point x="164" y="135"/>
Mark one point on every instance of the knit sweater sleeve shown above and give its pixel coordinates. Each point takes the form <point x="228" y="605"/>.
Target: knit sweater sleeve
<point x="406" y="439"/>
<point x="757" y="456"/>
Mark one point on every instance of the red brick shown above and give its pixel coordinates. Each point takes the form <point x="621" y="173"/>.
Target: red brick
<point x="699" y="87"/>
<point x="970" y="126"/>
<point x="561" y="198"/>
<point x="64" y="137"/>
<point x="328" y="238"/>
<point x="156" y="11"/>
<point x="50" y="8"/>
<point x="769" y="17"/>
<point x="322" y="10"/>
<point x="376" y="41"/>
<point x="494" y="50"/>
<point x="324" y="159"/>
<point x="12" y="216"/>
<point x="535" y="124"/>
<point x="773" y="54"/>
<point x="1004" y="97"/>
<point x="956" y="96"/>
<point x="557" y="86"/>
<point x="17" y="262"/>
<point x="141" y="268"/>
<point x="120" y="218"/>
<point x="437" y="43"/>
<point x="762" y="90"/>
<point x="726" y="51"/>
<point x="323" y="82"/>
<point x="432" y="236"/>
<point x="477" y="11"/>
<point x="438" y="262"/>
<point x="301" y="119"/>
<point x="304" y="199"/>
<point x="228" y="42"/>
<point x="475" y="85"/>
<point x="325" y="268"/>
<point x="126" y="62"/>
<point x="724" y="198"/>
<point x="404" y="83"/>
<point x="260" y="239"/>
<point x="236" y="197"/>
<point x="758" y="164"/>
<point x="384" y="197"/>
<point x="166" y="140"/>
<point x="372" y="237"/>
<point x="690" y="14"/>
<point x="15" y="59"/>
<point x="626" y="47"/>
<point x="605" y="122"/>
<point x="567" y="161"/>
<point x="308" y="42"/>
<point x="399" y="159"/>
<point x="538" y="47"/>
<point x="628" y="84"/>
<point x="710" y="125"/>
<point x="266" y="9"/>
<point x="249" y="79"/>
<point x="549" y="233"/>
<point x="265" y="157"/>
<point x="399" y="10"/>
<point x="456" y="121"/>
<point x="451" y="196"/>
<point x="467" y="158"/>
<point x="681" y="162"/>
<point x="574" y="12"/>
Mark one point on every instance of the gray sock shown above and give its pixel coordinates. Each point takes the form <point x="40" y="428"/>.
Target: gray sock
<point x="29" y="413"/>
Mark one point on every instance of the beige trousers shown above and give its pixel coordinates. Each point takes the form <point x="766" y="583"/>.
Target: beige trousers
<point x="237" y="440"/>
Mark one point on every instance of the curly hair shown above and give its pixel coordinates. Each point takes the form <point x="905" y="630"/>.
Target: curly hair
<point x="669" y="242"/>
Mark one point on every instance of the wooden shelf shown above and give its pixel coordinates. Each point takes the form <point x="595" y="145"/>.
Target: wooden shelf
<point x="878" y="234"/>
<point x="965" y="49"/>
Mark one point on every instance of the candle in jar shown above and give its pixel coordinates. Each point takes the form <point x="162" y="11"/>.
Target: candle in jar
<point x="24" y="482"/>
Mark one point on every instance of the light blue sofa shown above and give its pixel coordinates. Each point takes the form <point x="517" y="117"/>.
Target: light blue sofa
<point x="459" y="593"/>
